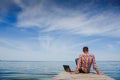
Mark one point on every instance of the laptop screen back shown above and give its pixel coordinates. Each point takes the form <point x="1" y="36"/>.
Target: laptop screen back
<point x="67" y="68"/>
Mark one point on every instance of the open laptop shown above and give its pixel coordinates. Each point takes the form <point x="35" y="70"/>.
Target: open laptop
<point x="67" y="68"/>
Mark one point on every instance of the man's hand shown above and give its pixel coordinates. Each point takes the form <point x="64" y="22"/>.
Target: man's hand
<point x="100" y="73"/>
<point x="75" y="72"/>
<point x="72" y="73"/>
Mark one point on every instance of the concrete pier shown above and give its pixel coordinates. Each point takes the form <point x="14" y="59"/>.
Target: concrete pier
<point x="81" y="76"/>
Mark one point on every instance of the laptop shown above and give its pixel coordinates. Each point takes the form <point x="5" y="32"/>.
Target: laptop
<point x="67" y="68"/>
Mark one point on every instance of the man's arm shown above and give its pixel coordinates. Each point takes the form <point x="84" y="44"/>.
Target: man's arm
<point x="95" y="66"/>
<point x="78" y="66"/>
<point x="97" y="71"/>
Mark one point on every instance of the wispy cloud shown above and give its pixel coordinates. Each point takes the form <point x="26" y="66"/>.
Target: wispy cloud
<point x="15" y="50"/>
<point x="45" y="49"/>
<point x="54" y="18"/>
<point x="58" y="30"/>
<point x="14" y="44"/>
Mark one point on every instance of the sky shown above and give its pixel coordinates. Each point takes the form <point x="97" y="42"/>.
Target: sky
<point x="57" y="30"/>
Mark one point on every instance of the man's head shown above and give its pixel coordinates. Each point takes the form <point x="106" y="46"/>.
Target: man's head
<point x="85" y="49"/>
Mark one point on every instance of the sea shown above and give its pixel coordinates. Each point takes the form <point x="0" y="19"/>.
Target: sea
<point x="46" y="70"/>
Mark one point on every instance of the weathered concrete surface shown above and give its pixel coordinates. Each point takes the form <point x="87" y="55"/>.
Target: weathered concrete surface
<point x="81" y="76"/>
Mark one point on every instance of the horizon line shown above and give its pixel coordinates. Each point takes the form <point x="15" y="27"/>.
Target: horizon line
<point x="45" y="61"/>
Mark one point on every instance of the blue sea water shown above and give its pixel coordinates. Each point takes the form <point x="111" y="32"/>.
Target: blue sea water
<point x="45" y="70"/>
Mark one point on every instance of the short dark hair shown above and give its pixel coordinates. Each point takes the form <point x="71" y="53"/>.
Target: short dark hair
<point x="85" y="49"/>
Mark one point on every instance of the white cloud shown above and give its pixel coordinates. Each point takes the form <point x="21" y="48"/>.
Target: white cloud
<point x="47" y="48"/>
<point x="50" y="17"/>
<point x="118" y="42"/>
<point x="14" y="44"/>
<point x="110" y="46"/>
<point x="55" y="18"/>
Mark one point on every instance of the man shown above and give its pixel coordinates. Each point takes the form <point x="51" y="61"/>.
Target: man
<point x="84" y="63"/>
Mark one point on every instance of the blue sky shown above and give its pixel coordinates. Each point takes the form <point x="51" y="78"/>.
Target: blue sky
<point x="57" y="30"/>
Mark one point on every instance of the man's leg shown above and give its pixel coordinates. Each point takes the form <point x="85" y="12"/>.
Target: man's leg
<point x="76" y="61"/>
<point x="80" y="70"/>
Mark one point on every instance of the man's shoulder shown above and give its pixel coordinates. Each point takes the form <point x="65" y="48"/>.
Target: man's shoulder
<point x="90" y="54"/>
